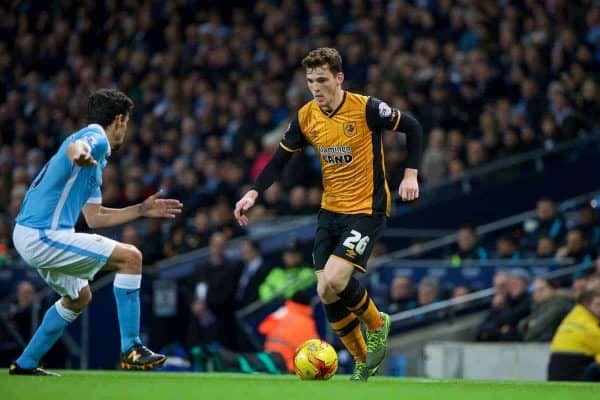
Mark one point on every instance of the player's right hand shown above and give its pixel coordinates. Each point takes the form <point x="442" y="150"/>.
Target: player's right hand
<point x="243" y="205"/>
<point x="84" y="158"/>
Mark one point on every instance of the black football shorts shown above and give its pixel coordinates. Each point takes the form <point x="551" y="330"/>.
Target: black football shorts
<point x="347" y="236"/>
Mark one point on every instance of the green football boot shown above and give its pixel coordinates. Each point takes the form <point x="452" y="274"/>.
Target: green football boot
<point x="361" y="372"/>
<point x="377" y="343"/>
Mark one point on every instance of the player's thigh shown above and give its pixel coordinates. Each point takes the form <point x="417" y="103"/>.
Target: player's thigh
<point x="337" y="273"/>
<point x="358" y="238"/>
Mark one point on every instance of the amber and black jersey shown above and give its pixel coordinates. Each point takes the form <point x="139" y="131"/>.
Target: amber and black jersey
<point x="349" y="145"/>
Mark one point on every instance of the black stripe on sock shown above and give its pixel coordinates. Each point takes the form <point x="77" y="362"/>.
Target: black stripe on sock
<point x="363" y="308"/>
<point x="348" y="328"/>
<point x="335" y="311"/>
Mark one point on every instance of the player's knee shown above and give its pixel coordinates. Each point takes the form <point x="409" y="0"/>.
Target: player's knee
<point x="336" y="279"/>
<point x="133" y="261"/>
<point x="322" y="290"/>
<point x="327" y="294"/>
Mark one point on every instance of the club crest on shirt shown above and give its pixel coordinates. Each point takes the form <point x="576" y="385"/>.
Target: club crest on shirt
<point x="349" y="128"/>
<point x="91" y="140"/>
<point x="385" y="111"/>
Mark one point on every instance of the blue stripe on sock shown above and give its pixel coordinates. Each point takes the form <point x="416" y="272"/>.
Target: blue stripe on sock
<point x="70" y="248"/>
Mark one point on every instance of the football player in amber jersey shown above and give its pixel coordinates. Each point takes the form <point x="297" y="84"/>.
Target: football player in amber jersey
<point x="345" y="129"/>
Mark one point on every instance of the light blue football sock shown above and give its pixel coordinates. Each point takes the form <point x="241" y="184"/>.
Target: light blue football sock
<point x="127" y="296"/>
<point x="56" y="319"/>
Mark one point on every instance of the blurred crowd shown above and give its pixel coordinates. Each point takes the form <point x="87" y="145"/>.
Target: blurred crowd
<point x="571" y="237"/>
<point x="214" y="84"/>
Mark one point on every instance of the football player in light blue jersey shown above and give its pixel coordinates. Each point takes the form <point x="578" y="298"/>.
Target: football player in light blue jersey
<point x="44" y="235"/>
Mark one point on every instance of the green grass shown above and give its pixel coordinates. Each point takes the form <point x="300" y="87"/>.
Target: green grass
<point x="92" y="385"/>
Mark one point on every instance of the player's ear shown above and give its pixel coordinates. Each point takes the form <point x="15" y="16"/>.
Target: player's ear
<point x="339" y="77"/>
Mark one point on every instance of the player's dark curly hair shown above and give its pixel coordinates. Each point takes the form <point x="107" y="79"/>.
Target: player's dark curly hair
<point x="105" y="104"/>
<point x="323" y="56"/>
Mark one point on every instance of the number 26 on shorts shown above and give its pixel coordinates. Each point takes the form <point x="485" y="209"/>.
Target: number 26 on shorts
<point x="356" y="242"/>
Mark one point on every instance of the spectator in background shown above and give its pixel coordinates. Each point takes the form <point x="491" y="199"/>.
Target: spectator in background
<point x="578" y="286"/>
<point x="177" y="242"/>
<point x="212" y="291"/>
<point x="575" y="349"/>
<point x="589" y="226"/>
<point x="297" y="202"/>
<point x="576" y="248"/>
<point x="507" y="248"/>
<point x="457" y="292"/>
<point x="428" y="291"/>
<point x="401" y="295"/>
<point x="545" y="247"/>
<point x="468" y="247"/>
<point x="547" y="222"/>
<point x="129" y="235"/>
<point x="592" y="282"/>
<point x="193" y="95"/>
<point x="500" y="285"/>
<point x="253" y="274"/>
<point x="460" y="290"/>
<point x="294" y="276"/>
<point x="501" y="322"/>
<point x="549" y="307"/>
<point x="152" y="243"/>
<point x="433" y="166"/>
<point x="5" y="241"/>
<point x="20" y="311"/>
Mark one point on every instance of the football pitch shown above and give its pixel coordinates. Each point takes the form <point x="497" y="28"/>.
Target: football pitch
<point x="92" y="385"/>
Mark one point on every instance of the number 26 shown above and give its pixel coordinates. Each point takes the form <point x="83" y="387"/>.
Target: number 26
<point x="356" y="242"/>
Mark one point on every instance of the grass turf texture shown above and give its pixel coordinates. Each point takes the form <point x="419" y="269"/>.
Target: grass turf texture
<point x="92" y="385"/>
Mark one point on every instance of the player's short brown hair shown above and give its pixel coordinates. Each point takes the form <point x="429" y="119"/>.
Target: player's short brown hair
<point x="323" y="56"/>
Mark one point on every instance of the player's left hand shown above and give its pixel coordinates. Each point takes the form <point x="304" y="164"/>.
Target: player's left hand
<point x="409" y="188"/>
<point x="154" y="207"/>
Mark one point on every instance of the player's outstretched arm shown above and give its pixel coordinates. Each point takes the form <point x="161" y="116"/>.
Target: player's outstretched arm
<point x="98" y="216"/>
<point x="265" y="179"/>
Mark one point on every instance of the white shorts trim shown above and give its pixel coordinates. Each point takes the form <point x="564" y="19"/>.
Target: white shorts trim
<point x="66" y="259"/>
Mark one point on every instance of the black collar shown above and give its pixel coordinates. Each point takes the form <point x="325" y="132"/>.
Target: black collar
<point x="330" y="115"/>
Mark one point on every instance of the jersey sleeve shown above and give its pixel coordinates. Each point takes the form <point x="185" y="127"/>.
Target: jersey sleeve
<point x="381" y="116"/>
<point x="293" y="139"/>
<point x="98" y="144"/>
<point x="95" y="196"/>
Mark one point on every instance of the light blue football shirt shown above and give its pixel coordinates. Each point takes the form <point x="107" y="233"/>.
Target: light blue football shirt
<point x="61" y="188"/>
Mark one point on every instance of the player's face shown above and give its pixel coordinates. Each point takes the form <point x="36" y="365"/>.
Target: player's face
<point x="120" y="129"/>
<point x="324" y="85"/>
